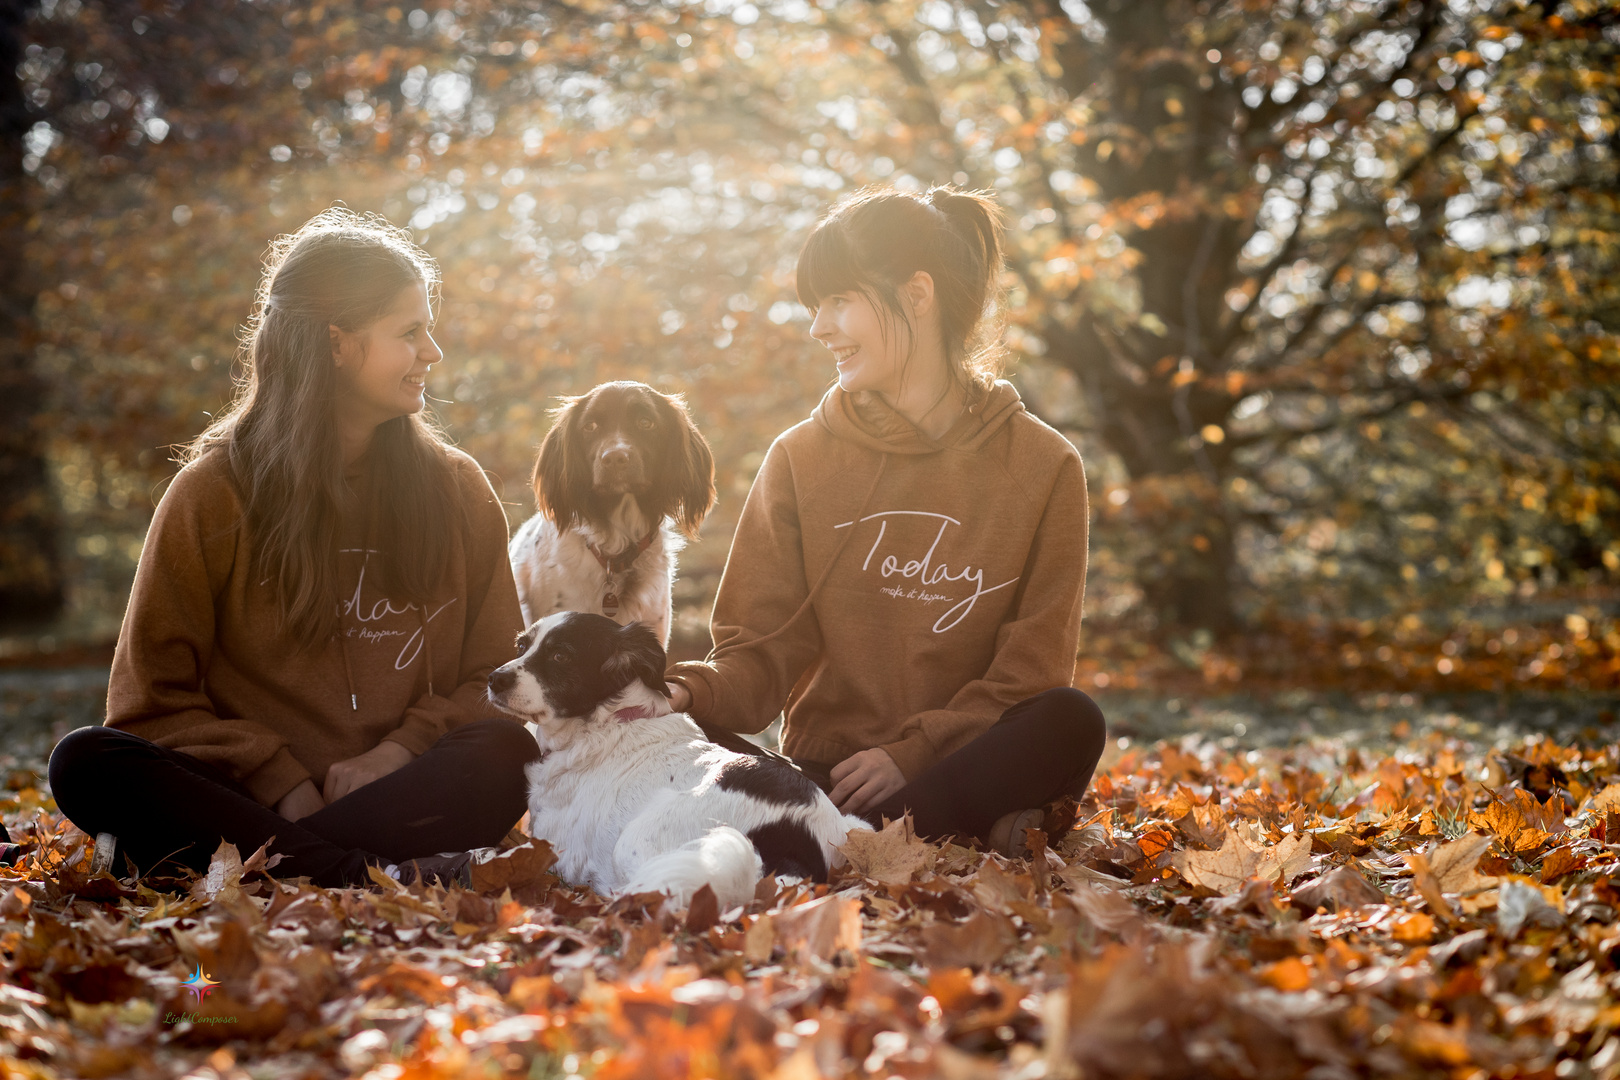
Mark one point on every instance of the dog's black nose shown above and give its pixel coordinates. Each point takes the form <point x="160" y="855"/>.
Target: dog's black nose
<point x="618" y="456"/>
<point x="501" y="680"/>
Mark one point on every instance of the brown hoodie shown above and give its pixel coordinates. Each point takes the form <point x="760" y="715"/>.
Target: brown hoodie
<point x="203" y="666"/>
<point x="944" y="582"/>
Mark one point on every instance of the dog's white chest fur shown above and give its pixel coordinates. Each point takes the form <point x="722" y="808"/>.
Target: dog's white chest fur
<point x="555" y="571"/>
<point x="584" y="797"/>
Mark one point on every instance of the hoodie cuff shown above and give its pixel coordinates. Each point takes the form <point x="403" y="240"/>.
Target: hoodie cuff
<point x="272" y="780"/>
<point x="912" y="754"/>
<point x="417" y="734"/>
<point x="690" y="675"/>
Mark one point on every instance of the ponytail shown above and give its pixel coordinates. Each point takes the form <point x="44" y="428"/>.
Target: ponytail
<point x="874" y="242"/>
<point x="975" y="223"/>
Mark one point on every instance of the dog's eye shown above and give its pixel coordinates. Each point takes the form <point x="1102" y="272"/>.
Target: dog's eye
<point x="591" y="426"/>
<point x="646" y="423"/>
<point x="559" y="658"/>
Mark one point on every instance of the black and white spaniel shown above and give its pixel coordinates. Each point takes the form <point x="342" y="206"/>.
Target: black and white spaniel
<point x="621" y="477"/>
<point x="631" y="795"/>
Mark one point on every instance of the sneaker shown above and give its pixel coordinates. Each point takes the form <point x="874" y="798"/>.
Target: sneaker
<point x="9" y="852"/>
<point x="1006" y="836"/>
<point x="102" y="861"/>
<point x="446" y="868"/>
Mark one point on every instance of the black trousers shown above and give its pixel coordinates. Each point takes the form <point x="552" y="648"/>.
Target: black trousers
<point x="466" y="791"/>
<point x="1043" y="748"/>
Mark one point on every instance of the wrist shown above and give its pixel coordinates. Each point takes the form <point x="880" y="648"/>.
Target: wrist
<point x="304" y="794"/>
<point x="393" y="753"/>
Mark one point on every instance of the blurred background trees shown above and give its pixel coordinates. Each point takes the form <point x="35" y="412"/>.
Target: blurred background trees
<point x="1325" y="291"/>
<point x="31" y="584"/>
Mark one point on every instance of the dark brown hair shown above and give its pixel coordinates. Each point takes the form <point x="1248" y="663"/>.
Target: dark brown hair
<point x="346" y="270"/>
<point x="873" y="242"/>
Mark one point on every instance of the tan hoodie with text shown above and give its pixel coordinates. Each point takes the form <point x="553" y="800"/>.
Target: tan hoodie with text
<point x="203" y="667"/>
<point x="947" y="580"/>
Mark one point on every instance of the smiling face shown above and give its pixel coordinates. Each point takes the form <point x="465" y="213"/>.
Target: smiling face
<point x="382" y="368"/>
<point x="870" y="350"/>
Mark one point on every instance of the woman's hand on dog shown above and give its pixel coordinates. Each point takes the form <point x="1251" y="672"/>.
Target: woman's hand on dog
<point x="862" y="781"/>
<point x="301" y="801"/>
<point x="680" y="698"/>
<point x="356" y="772"/>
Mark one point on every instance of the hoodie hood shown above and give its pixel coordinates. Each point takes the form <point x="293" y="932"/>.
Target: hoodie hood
<point x="866" y="419"/>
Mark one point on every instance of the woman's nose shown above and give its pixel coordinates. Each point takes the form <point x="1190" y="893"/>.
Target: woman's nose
<point x="821" y="326"/>
<point x="432" y="353"/>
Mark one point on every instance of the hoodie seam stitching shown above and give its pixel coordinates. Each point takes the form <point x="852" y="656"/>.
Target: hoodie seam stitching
<point x="836" y="474"/>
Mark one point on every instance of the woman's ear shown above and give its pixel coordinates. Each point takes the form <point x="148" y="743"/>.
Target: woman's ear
<point x="341" y="344"/>
<point x="559" y="491"/>
<point x="919" y="293"/>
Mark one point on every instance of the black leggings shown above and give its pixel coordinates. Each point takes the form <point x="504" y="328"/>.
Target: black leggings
<point x="1043" y="748"/>
<point x="466" y="791"/>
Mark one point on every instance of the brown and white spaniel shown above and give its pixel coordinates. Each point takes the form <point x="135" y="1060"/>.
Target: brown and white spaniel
<point x="622" y="476"/>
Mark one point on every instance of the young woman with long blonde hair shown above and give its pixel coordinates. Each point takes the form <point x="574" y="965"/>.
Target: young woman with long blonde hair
<point x="321" y="596"/>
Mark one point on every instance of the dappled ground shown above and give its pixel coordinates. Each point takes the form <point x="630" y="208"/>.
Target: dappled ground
<point x="1313" y="886"/>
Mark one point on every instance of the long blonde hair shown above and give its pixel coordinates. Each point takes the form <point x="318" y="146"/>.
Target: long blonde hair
<point x="346" y="270"/>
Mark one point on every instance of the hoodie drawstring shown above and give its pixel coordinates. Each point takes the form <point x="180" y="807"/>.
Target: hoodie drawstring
<point x="348" y="668"/>
<point x="826" y="571"/>
<point x="427" y="647"/>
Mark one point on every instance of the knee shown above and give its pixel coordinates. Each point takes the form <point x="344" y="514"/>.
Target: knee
<point x="83" y="762"/>
<point x="81" y="753"/>
<point x="504" y="742"/>
<point x="1075" y="719"/>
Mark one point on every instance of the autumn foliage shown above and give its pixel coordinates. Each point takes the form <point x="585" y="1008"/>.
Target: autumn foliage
<point x="1325" y="293"/>
<point x="1444" y="911"/>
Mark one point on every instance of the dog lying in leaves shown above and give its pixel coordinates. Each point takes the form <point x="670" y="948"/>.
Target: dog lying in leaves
<point x="631" y="795"/>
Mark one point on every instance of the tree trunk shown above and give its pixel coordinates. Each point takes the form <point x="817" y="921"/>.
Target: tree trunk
<point x="1189" y="561"/>
<point x="31" y="587"/>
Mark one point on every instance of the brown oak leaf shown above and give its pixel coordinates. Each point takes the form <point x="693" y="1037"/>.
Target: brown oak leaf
<point x="1337" y="890"/>
<point x="1224" y="871"/>
<point x="820" y="928"/>
<point x="514" y="868"/>
<point x="890" y="857"/>
<point x="1455" y="865"/>
<point x="983" y="939"/>
<point x="223" y="882"/>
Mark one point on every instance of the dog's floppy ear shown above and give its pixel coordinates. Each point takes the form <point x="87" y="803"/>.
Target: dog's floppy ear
<point x="637" y="657"/>
<point x="693" y="465"/>
<point x="562" y="478"/>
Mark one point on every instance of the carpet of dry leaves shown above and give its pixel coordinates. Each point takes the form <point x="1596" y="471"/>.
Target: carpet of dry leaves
<point x="1444" y="909"/>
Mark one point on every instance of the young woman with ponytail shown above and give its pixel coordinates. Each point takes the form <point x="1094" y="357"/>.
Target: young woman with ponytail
<point x="322" y="593"/>
<point x="907" y="575"/>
